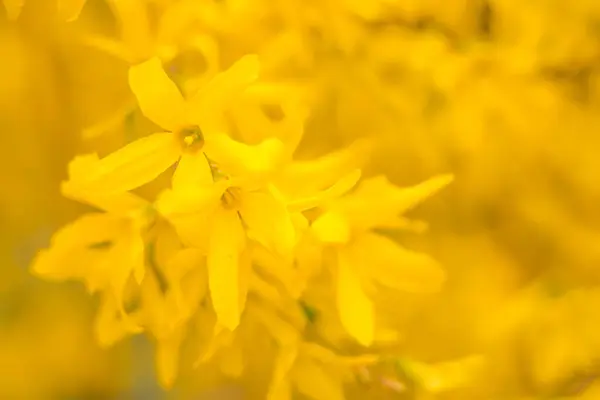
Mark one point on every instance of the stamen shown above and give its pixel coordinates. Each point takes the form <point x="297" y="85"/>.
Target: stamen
<point x="191" y="138"/>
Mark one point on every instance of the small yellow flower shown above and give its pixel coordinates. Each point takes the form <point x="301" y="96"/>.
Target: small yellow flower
<point x="364" y="257"/>
<point x="194" y="130"/>
<point x="218" y="218"/>
<point x="101" y="249"/>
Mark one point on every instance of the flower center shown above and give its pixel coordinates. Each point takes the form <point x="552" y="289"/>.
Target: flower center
<point x="191" y="138"/>
<point x="232" y="198"/>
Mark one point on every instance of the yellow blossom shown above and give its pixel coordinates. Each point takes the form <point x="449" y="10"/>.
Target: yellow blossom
<point x="218" y="218"/>
<point x="363" y="257"/>
<point x="194" y="131"/>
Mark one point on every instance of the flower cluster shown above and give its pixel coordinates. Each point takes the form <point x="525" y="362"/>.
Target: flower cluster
<point x="243" y="241"/>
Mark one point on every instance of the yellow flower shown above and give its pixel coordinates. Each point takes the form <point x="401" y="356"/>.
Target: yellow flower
<point x="364" y="257"/>
<point x="300" y="365"/>
<point x="311" y="369"/>
<point x="194" y="130"/>
<point x="169" y="298"/>
<point x="103" y="249"/>
<point x="218" y="218"/>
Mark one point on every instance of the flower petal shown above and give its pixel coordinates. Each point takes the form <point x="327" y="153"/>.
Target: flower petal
<point x="280" y="388"/>
<point x="158" y="97"/>
<point x="213" y="99"/>
<point x="313" y="381"/>
<point x="355" y="308"/>
<point x="186" y="293"/>
<point x="193" y="230"/>
<point x="109" y="327"/>
<point x="133" y="165"/>
<point x="237" y="158"/>
<point x="225" y="246"/>
<point x="192" y="170"/>
<point x="304" y="178"/>
<point x="280" y="329"/>
<point x="331" y="227"/>
<point x="269" y="221"/>
<point x="167" y="358"/>
<point x="338" y="189"/>
<point x="393" y="266"/>
<point x="376" y="201"/>
<point x="119" y="203"/>
<point x="125" y="258"/>
<point x="191" y="200"/>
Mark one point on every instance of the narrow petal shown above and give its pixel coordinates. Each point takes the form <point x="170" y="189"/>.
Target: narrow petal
<point x="180" y="266"/>
<point x="190" y="200"/>
<point x="376" y="201"/>
<point x="355" y="308"/>
<point x="269" y="221"/>
<point x="303" y="178"/>
<point x="182" y="263"/>
<point x="109" y="327"/>
<point x="271" y="265"/>
<point x="225" y="245"/>
<point x="167" y="358"/>
<point x="309" y="263"/>
<point x="224" y="88"/>
<point x="313" y="381"/>
<point x="119" y="203"/>
<point x="280" y="388"/>
<point x="126" y="257"/>
<point x="331" y="227"/>
<point x="396" y="267"/>
<point x="237" y="158"/>
<point x="193" y="170"/>
<point x="13" y="8"/>
<point x="69" y="10"/>
<point x="193" y="230"/>
<point x="158" y="97"/>
<point x="338" y="189"/>
<point x="245" y="272"/>
<point x="132" y="166"/>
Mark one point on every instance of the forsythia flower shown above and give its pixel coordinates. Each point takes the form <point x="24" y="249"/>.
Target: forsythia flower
<point x="194" y="131"/>
<point x="346" y="226"/>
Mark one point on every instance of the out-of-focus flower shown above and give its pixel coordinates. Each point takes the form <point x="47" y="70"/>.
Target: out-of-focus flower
<point x="364" y="257"/>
